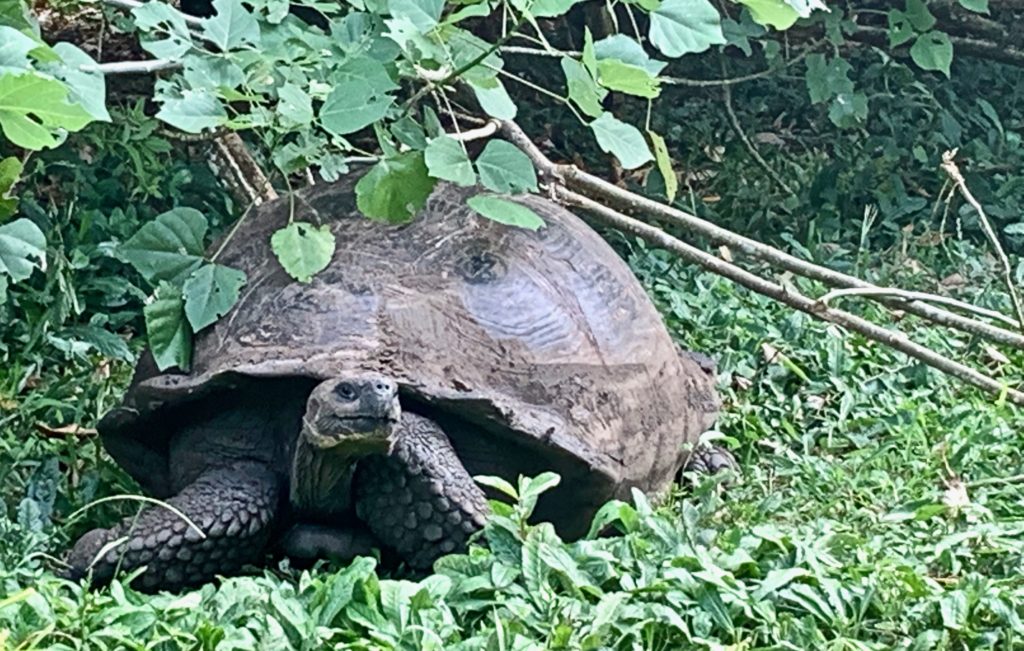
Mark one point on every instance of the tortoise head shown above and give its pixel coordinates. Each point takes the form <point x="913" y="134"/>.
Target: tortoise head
<point x="358" y="413"/>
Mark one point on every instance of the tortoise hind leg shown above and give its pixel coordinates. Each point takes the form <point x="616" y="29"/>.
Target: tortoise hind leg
<point x="234" y="506"/>
<point x="420" y="500"/>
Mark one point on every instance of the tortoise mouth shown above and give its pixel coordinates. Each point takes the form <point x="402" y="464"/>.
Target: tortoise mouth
<point x="353" y="431"/>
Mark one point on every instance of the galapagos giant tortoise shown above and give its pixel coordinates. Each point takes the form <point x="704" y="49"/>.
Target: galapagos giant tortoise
<point x="324" y="419"/>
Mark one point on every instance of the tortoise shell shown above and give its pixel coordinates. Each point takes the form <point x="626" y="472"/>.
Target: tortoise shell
<point x="539" y="346"/>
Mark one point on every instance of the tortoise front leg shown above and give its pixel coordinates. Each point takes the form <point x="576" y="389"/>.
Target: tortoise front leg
<point x="234" y="507"/>
<point x="310" y="542"/>
<point x="420" y="499"/>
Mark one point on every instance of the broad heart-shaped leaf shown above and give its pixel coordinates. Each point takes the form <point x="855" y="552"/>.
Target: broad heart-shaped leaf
<point x="680" y="27"/>
<point x="210" y="292"/>
<point x="395" y="188"/>
<point x="294" y="105"/>
<point x="33" y="107"/>
<point x="494" y="99"/>
<point x="827" y="79"/>
<point x="87" y="88"/>
<point x="582" y="88"/>
<point x="627" y="50"/>
<point x="170" y="337"/>
<point x="424" y="14"/>
<point x="303" y="249"/>
<point x="505" y="212"/>
<point x="627" y="78"/>
<point x="447" y="159"/>
<point x="664" y="162"/>
<point x="624" y="141"/>
<point x="194" y="111"/>
<point x="22" y="249"/>
<point x="14" y="49"/>
<point x="504" y="167"/>
<point x="168" y="248"/>
<point x="231" y="25"/>
<point x="933" y="51"/>
<point x="360" y="96"/>
<point x="775" y="13"/>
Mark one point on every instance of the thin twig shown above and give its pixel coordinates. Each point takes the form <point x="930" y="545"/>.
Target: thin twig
<point x="950" y="167"/>
<point x="132" y="67"/>
<point x="485" y="131"/>
<point x="579" y="180"/>
<point x="916" y="296"/>
<point x="996" y="481"/>
<point x="787" y="295"/>
<point x="738" y="128"/>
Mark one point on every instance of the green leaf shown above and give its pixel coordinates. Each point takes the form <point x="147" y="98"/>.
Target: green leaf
<point x="933" y="51"/>
<point x="294" y="105"/>
<point x="210" y="292"/>
<point x="954" y="609"/>
<point x="582" y="88"/>
<point x="161" y="18"/>
<point x="32" y="108"/>
<point x="22" y="249"/>
<point x="772" y="13"/>
<point x="627" y="50"/>
<point x="777" y="579"/>
<point x="494" y="99"/>
<point x="827" y="79"/>
<point x="901" y="30"/>
<point x="424" y="14"/>
<point x="977" y="6"/>
<point x="360" y="96"/>
<point x="303" y="249"/>
<point x="170" y="338"/>
<point x="626" y="78"/>
<point x="505" y="168"/>
<point x="89" y="89"/>
<point x="447" y="159"/>
<point x="664" y="161"/>
<point x="395" y="189"/>
<point x="103" y="341"/>
<point x="194" y="111"/>
<point x="624" y="141"/>
<point x="14" y="49"/>
<point x="10" y="171"/>
<point x="681" y="27"/>
<point x="498" y="484"/>
<point x="231" y="25"/>
<point x="848" y="109"/>
<point x="168" y="248"/>
<point x="505" y="211"/>
<point x="919" y="16"/>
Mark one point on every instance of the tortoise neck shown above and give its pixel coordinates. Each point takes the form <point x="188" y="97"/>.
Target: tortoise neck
<point x="321" y="480"/>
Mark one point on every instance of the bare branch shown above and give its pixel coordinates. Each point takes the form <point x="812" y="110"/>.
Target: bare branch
<point x="240" y="171"/>
<point x="950" y="167"/>
<point x="578" y="180"/>
<point x="132" y="67"/>
<point x="916" y="296"/>
<point x="787" y="295"/>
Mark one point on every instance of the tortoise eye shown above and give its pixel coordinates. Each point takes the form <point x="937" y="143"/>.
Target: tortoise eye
<point x="345" y="391"/>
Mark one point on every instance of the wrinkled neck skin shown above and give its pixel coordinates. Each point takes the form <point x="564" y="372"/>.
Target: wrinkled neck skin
<point x="321" y="479"/>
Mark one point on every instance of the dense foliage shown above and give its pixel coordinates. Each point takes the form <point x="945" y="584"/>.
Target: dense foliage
<point x="881" y="502"/>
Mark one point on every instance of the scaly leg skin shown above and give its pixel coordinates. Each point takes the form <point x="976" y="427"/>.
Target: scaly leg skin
<point x="310" y="542"/>
<point x="234" y="506"/>
<point x="709" y="460"/>
<point x="419" y="500"/>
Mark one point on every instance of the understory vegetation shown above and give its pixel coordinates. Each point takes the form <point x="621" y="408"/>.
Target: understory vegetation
<point x="880" y="504"/>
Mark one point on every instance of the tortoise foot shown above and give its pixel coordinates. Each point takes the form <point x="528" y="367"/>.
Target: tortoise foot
<point x="420" y="500"/>
<point x="229" y="512"/>
<point x="709" y="460"/>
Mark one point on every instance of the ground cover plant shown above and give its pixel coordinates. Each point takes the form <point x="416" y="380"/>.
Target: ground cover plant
<point x="881" y="502"/>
